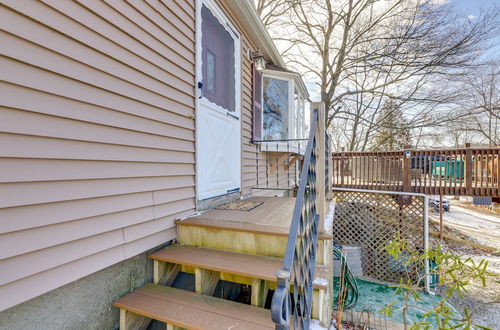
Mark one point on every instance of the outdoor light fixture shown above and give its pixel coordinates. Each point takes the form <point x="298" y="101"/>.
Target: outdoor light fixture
<point x="258" y="59"/>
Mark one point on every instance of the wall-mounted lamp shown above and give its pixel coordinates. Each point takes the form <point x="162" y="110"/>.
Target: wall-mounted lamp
<point x="258" y="59"/>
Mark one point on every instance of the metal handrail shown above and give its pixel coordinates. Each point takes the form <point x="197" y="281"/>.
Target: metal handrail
<point x="327" y="164"/>
<point x="300" y="256"/>
<point x="277" y="164"/>
<point x="277" y="140"/>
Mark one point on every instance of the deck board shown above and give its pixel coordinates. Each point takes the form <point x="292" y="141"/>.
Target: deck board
<point x="272" y="217"/>
<point x="275" y="211"/>
<point x="192" y="310"/>
<point x="235" y="263"/>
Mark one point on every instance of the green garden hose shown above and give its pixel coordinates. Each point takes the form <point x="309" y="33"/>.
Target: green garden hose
<point x="349" y="294"/>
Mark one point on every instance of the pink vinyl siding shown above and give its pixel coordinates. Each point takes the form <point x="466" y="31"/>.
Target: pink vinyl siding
<point x="96" y="135"/>
<point x="96" y="139"/>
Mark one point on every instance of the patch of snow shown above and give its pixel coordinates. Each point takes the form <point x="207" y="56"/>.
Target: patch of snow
<point x="320" y="281"/>
<point x="189" y="216"/>
<point x="492" y="217"/>
<point x="329" y="217"/>
<point x="316" y="325"/>
<point x="439" y="2"/>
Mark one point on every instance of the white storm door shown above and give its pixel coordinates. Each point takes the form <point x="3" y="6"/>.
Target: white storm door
<point x="218" y="139"/>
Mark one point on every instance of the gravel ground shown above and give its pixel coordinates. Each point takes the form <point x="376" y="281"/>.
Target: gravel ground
<point x="483" y="227"/>
<point x="480" y="224"/>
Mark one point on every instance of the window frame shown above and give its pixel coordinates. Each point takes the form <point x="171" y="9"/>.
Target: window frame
<point x="292" y="79"/>
<point x="290" y="102"/>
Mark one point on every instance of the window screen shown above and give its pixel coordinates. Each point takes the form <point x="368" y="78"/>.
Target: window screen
<point x="217" y="62"/>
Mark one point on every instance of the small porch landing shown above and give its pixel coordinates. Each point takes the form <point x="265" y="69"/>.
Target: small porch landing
<point x="244" y="247"/>
<point x="275" y="212"/>
<point x="261" y="231"/>
<point x="273" y="216"/>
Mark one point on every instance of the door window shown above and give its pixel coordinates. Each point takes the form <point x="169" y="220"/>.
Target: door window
<point x="218" y="67"/>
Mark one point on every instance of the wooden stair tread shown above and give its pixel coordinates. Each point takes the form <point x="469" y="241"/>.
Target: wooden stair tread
<point x="192" y="310"/>
<point x="201" y="221"/>
<point x="231" y="262"/>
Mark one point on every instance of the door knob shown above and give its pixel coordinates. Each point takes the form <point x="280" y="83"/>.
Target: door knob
<point x="200" y="87"/>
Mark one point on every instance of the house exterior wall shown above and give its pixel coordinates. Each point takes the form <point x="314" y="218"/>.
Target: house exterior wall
<point x="96" y="136"/>
<point x="83" y="304"/>
<point x="97" y="141"/>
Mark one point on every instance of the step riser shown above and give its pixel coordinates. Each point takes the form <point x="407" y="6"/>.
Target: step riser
<point x="261" y="244"/>
<point x="231" y="277"/>
<point x="321" y="297"/>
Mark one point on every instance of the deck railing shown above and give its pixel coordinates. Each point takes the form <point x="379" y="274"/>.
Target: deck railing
<point x="463" y="171"/>
<point x="277" y="164"/>
<point x="300" y="256"/>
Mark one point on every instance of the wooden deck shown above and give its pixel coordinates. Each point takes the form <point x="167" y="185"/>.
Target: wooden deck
<point x="275" y="212"/>
<point x="261" y="231"/>
<point x="467" y="171"/>
<point x="273" y="217"/>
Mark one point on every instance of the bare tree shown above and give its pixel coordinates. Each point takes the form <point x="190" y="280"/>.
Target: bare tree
<point x="480" y="106"/>
<point x="272" y="11"/>
<point x="363" y="52"/>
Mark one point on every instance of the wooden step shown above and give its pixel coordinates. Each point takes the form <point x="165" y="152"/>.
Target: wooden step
<point x="244" y="237"/>
<point x="201" y="221"/>
<point x="187" y="310"/>
<point x="246" y="265"/>
<point x="210" y="266"/>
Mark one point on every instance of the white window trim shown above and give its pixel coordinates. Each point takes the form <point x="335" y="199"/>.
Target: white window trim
<point x="292" y="127"/>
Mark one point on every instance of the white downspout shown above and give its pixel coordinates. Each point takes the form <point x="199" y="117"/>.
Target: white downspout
<point x="426" y="245"/>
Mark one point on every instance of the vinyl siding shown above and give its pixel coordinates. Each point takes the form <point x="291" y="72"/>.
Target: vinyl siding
<point x="96" y="140"/>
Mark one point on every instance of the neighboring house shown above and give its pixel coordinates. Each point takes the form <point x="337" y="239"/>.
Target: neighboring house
<point x="116" y="119"/>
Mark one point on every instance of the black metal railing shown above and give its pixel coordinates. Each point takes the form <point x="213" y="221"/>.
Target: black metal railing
<point x="300" y="256"/>
<point x="328" y="155"/>
<point x="277" y="164"/>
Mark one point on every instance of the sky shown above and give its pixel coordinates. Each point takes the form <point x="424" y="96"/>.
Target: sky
<point x="471" y="7"/>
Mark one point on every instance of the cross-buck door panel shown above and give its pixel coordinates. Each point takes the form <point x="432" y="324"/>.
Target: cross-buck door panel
<point x="218" y="115"/>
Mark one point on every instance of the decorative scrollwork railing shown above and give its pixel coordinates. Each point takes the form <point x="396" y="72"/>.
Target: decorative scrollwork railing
<point x="300" y="256"/>
<point x="328" y="156"/>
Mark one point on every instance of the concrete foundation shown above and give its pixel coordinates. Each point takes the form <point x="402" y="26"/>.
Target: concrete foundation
<point x="83" y="304"/>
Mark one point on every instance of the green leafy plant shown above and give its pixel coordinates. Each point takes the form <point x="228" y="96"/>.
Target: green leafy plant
<point x="454" y="272"/>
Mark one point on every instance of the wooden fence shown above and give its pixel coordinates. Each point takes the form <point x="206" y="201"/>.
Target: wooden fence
<point x="466" y="171"/>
